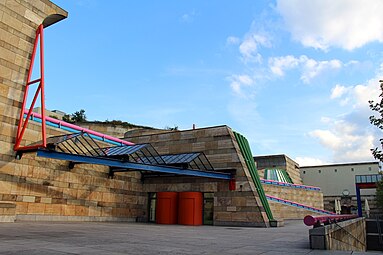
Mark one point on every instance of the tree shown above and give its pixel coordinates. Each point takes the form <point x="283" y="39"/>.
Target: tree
<point x="377" y="120"/>
<point x="379" y="194"/>
<point x="78" y="116"/>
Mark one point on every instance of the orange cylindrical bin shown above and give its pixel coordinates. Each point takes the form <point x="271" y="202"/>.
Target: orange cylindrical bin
<point x="166" y="208"/>
<point x="190" y="206"/>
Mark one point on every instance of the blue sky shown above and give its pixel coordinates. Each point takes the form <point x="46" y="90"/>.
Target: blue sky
<point x="293" y="76"/>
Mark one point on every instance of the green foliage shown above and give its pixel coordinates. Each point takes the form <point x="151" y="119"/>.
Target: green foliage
<point x="377" y="120"/>
<point x="175" y="128"/>
<point x="67" y="118"/>
<point x="78" y="116"/>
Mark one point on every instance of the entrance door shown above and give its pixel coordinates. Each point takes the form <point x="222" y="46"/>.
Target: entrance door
<point x="152" y="207"/>
<point x="208" y="208"/>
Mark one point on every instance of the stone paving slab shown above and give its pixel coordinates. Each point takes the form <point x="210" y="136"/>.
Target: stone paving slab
<point x="134" y="238"/>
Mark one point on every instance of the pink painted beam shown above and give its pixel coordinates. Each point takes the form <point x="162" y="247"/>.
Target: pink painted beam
<point x="312" y="220"/>
<point x="81" y="129"/>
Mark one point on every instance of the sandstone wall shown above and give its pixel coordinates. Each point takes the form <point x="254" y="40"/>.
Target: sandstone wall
<point x="36" y="188"/>
<point x="307" y="197"/>
<point x="239" y="207"/>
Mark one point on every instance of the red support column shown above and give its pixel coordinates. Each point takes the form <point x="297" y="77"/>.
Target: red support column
<point x="40" y="90"/>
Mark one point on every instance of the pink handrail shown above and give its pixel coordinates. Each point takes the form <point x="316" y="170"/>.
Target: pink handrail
<point x="310" y="220"/>
<point x="81" y="129"/>
<point x="290" y="184"/>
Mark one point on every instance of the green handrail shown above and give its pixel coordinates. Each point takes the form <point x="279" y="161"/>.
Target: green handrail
<point x="247" y="155"/>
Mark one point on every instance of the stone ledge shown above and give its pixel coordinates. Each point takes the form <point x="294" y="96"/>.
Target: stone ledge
<point x="7" y="204"/>
<point x="38" y="217"/>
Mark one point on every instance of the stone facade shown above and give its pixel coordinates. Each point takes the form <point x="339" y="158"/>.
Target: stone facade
<point x="281" y="162"/>
<point x="35" y="188"/>
<point x="239" y="207"/>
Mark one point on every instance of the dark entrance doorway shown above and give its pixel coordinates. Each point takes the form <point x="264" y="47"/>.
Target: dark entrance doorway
<point x="208" y="208"/>
<point x="152" y="201"/>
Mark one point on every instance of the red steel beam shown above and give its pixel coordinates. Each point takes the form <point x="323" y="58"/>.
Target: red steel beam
<point x="21" y="127"/>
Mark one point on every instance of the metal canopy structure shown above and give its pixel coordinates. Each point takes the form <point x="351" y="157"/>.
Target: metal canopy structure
<point x="82" y="148"/>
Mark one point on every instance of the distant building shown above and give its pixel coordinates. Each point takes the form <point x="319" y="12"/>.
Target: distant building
<point x="57" y="114"/>
<point x="337" y="181"/>
<point x="282" y="162"/>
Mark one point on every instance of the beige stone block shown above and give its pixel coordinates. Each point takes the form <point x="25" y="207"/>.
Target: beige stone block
<point x="222" y="216"/>
<point x="6" y="73"/>
<point x="7" y="55"/>
<point x="29" y="199"/>
<point x="36" y="208"/>
<point x="21" y="208"/>
<point x="239" y="201"/>
<point x="231" y="208"/>
<point x="33" y="17"/>
<point x="5" y="187"/>
<point x="46" y="200"/>
<point x="12" y="22"/>
<point x="69" y="210"/>
<point x="95" y="211"/>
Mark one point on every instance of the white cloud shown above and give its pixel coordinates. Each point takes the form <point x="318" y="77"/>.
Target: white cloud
<point x="279" y="64"/>
<point x="309" y="67"/>
<point x="346" y="141"/>
<point x="338" y="91"/>
<point x="358" y="95"/>
<point x="346" y="24"/>
<point x="249" y="47"/>
<point x="309" y="161"/>
<point x="232" y="40"/>
<point x="350" y="136"/>
<point x="237" y="82"/>
<point x="313" y="68"/>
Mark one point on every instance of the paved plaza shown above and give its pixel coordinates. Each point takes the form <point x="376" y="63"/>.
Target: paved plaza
<point x="134" y="238"/>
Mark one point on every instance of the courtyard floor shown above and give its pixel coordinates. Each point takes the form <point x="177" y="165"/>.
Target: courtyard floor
<point x="134" y="238"/>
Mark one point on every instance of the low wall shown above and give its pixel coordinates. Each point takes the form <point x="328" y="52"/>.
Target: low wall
<point x="348" y="235"/>
<point x="313" y="198"/>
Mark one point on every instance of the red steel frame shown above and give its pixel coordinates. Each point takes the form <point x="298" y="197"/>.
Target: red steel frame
<point x="40" y="90"/>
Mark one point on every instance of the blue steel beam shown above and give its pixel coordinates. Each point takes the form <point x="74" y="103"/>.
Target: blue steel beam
<point x="130" y="165"/>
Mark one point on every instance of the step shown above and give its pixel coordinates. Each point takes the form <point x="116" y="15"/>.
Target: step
<point x="372" y="226"/>
<point x="373" y="242"/>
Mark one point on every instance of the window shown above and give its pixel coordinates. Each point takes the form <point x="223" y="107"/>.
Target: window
<point x="319" y="171"/>
<point x="335" y="170"/>
<point x="369" y="168"/>
<point x="352" y="169"/>
<point x="304" y="172"/>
